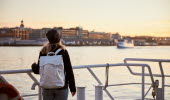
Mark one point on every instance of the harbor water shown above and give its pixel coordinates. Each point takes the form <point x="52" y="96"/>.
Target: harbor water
<point x="14" y="58"/>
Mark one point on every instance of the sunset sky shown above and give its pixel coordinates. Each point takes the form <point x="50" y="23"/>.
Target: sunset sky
<point x="128" y="17"/>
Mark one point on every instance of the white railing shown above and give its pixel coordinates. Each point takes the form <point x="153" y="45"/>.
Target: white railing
<point x="142" y="74"/>
<point x="159" y="61"/>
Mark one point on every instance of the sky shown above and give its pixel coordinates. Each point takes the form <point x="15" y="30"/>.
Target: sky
<point x="128" y="17"/>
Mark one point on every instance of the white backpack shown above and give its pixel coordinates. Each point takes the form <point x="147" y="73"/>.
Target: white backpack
<point x="52" y="70"/>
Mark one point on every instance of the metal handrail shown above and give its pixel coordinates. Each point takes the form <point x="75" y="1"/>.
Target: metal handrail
<point x="149" y="60"/>
<point x="89" y="66"/>
<point x="28" y="71"/>
<point x="16" y="71"/>
<point x="160" y="61"/>
<point x="144" y="59"/>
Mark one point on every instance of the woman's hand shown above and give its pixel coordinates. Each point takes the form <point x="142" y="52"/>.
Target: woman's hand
<point x="73" y="93"/>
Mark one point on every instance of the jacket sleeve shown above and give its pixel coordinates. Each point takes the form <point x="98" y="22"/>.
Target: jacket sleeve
<point x="69" y="71"/>
<point x="35" y="67"/>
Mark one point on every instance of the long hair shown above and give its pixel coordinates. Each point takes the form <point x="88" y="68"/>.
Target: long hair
<point x="51" y="47"/>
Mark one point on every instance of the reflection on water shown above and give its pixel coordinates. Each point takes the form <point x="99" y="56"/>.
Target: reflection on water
<point x="23" y="57"/>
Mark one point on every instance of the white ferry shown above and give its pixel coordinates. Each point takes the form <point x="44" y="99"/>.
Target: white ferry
<point x="123" y="43"/>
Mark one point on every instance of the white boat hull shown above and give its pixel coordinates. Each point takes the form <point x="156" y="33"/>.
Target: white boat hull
<point x="125" y="44"/>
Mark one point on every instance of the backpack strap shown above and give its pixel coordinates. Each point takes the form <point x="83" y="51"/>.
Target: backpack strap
<point x="58" y="51"/>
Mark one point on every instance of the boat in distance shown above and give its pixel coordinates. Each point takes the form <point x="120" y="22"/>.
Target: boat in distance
<point x="124" y="43"/>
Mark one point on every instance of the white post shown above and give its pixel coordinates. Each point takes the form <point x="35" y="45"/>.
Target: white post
<point x="163" y="87"/>
<point x="99" y="92"/>
<point x="143" y="82"/>
<point x="80" y="93"/>
<point x="163" y="80"/>
<point x="40" y="93"/>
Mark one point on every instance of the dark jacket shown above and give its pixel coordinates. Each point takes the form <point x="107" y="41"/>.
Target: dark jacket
<point x="69" y="78"/>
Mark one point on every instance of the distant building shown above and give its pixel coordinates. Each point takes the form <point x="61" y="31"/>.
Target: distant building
<point x="7" y="33"/>
<point x="69" y="33"/>
<point x="38" y="34"/>
<point x="22" y="25"/>
<point x="15" y="33"/>
<point x="163" y="40"/>
<point x="22" y="32"/>
<point x="85" y="34"/>
<point x="35" y="34"/>
<point x="99" y="35"/>
<point x="8" y="36"/>
<point x="116" y="36"/>
<point x="72" y="33"/>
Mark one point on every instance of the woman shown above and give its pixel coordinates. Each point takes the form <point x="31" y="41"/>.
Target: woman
<point x="54" y="44"/>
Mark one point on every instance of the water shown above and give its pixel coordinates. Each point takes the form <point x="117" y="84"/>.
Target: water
<point x="13" y="58"/>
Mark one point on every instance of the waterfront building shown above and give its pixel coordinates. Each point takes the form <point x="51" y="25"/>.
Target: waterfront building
<point x="116" y="36"/>
<point x="21" y="32"/>
<point x="99" y="35"/>
<point x="7" y="36"/>
<point x="7" y="33"/>
<point x="144" y="41"/>
<point x="164" y="41"/>
<point x="38" y="34"/>
<point x="15" y="33"/>
<point x="69" y="33"/>
<point x="85" y="34"/>
<point x="22" y="25"/>
<point x="72" y="33"/>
